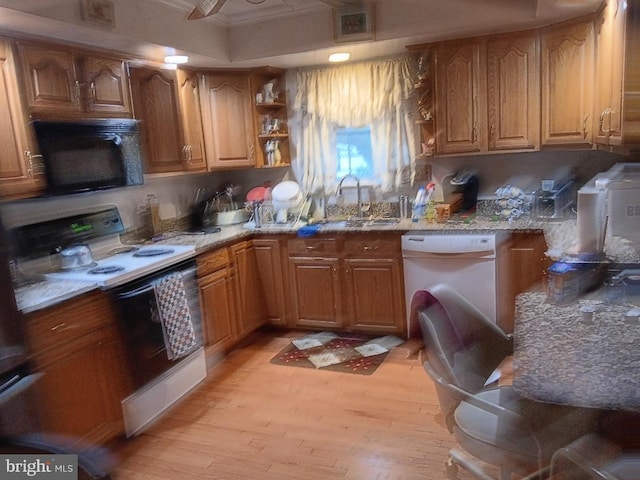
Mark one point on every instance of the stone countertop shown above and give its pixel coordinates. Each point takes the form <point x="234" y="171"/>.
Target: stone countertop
<point x="559" y="236"/>
<point x="47" y="293"/>
<point x="567" y="357"/>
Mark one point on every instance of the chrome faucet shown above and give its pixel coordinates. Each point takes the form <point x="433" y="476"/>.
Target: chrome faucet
<point x="359" y="200"/>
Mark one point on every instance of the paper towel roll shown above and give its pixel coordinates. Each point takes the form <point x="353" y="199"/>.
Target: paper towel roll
<point x="592" y="218"/>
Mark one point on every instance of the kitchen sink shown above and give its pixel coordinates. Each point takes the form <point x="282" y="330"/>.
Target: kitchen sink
<point x="356" y="222"/>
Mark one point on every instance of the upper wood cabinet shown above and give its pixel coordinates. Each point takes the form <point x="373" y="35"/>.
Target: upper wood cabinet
<point x="486" y="94"/>
<point x="567" y="82"/>
<point x="155" y="102"/>
<point x="617" y="74"/>
<point x="513" y="92"/>
<point x="228" y="120"/>
<point x="20" y="175"/>
<point x="61" y="81"/>
<point x="193" y="149"/>
<point x="460" y="104"/>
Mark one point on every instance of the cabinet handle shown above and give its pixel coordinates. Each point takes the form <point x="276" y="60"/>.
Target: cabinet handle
<point x="190" y="149"/>
<point x="184" y="153"/>
<point x="367" y="248"/>
<point x="92" y="87"/>
<point x="475" y="134"/>
<point x="76" y="93"/>
<point x="309" y="248"/>
<point x="610" y="112"/>
<point x="601" y="120"/>
<point x="61" y="327"/>
<point x="584" y="125"/>
<point x="492" y="132"/>
<point x="35" y="168"/>
<point x="251" y="151"/>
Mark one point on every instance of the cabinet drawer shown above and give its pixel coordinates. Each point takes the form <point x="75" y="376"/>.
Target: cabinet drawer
<point x="211" y="261"/>
<point x="372" y="247"/>
<point x="312" y="246"/>
<point x="59" y="325"/>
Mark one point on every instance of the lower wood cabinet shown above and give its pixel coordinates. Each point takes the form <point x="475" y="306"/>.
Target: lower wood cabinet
<point x="78" y="347"/>
<point x="231" y="295"/>
<point x="524" y="269"/>
<point x="351" y="282"/>
<point x="270" y="253"/>
<point x="217" y="300"/>
<point x="249" y="296"/>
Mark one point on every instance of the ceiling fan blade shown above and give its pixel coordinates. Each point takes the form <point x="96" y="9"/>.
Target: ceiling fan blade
<point x="340" y="3"/>
<point x="205" y="8"/>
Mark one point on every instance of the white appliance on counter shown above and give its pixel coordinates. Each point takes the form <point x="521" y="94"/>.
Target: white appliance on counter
<point x="610" y="200"/>
<point x="466" y="262"/>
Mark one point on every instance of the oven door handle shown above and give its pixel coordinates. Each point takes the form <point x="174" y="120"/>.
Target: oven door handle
<point x="149" y="287"/>
<point x="136" y="292"/>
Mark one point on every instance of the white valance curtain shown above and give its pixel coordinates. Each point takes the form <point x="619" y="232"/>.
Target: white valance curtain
<point x="374" y="94"/>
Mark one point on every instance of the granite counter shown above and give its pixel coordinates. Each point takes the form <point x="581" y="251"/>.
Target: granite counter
<point x="585" y="353"/>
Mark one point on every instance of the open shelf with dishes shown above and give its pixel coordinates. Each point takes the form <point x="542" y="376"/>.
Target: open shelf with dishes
<point x="270" y="117"/>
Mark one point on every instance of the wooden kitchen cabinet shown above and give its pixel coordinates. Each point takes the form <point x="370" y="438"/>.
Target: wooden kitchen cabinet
<point x="20" y="174"/>
<point x="216" y="284"/>
<point x="228" y="120"/>
<point x="248" y="290"/>
<point x="193" y="149"/>
<point x="270" y="253"/>
<point x="617" y="75"/>
<point x="62" y="81"/>
<point x="486" y="94"/>
<point x="567" y="85"/>
<point x="270" y="118"/>
<point x="351" y="282"/>
<point x="513" y="92"/>
<point x="155" y="102"/>
<point x="374" y="296"/>
<point x="522" y="267"/>
<point x="460" y="81"/>
<point x="78" y="348"/>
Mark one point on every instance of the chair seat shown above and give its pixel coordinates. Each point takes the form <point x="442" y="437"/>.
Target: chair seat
<point x="496" y="437"/>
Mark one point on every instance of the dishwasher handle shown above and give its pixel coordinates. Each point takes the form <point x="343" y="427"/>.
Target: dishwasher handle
<point x="480" y="254"/>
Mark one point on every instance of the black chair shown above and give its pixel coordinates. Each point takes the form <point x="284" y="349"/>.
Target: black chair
<point x="492" y="424"/>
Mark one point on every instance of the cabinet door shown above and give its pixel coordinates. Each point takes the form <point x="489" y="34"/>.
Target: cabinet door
<point x="193" y="148"/>
<point x="155" y="102"/>
<point x="18" y="176"/>
<point x="618" y="51"/>
<point x="249" y="297"/>
<point x="107" y="87"/>
<point x="374" y="297"/>
<point x="216" y="297"/>
<point x="51" y="80"/>
<point x="78" y="347"/>
<point x="567" y="85"/>
<point x="513" y="92"/>
<point x="315" y="286"/>
<point x="228" y="121"/>
<point x="460" y="127"/>
<point x="272" y="280"/>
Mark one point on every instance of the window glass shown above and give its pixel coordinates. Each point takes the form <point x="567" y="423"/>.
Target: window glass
<point x="353" y="146"/>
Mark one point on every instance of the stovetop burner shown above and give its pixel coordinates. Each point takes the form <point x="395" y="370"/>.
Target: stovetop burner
<point x="106" y="270"/>
<point x="125" y="249"/>
<point x="153" y="252"/>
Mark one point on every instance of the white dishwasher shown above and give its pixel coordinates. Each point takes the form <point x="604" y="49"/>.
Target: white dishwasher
<point x="466" y="262"/>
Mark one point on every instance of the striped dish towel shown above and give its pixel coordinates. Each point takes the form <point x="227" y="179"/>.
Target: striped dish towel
<point x="175" y="318"/>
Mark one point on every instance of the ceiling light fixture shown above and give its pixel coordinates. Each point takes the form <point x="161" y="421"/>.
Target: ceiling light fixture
<point x="177" y="59"/>
<point x="339" y="57"/>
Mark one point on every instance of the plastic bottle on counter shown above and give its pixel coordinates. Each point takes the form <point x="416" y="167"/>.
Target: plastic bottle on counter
<point x="154" y="209"/>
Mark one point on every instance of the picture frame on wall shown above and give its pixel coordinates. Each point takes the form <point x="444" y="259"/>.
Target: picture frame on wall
<point x="100" y="12"/>
<point x="353" y="24"/>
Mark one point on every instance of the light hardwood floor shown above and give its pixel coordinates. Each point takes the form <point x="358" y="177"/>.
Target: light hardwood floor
<point x="254" y="420"/>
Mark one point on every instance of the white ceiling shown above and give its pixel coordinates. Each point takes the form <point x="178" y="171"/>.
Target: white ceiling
<point x="276" y="32"/>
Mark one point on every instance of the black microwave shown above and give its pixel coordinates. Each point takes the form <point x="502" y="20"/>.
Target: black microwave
<point x="86" y="155"/>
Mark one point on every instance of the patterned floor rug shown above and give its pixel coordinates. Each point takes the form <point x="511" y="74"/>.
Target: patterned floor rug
<point x="341" y="352"/>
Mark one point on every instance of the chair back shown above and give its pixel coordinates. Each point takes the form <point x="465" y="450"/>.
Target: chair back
<point x="461" y="344"/>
